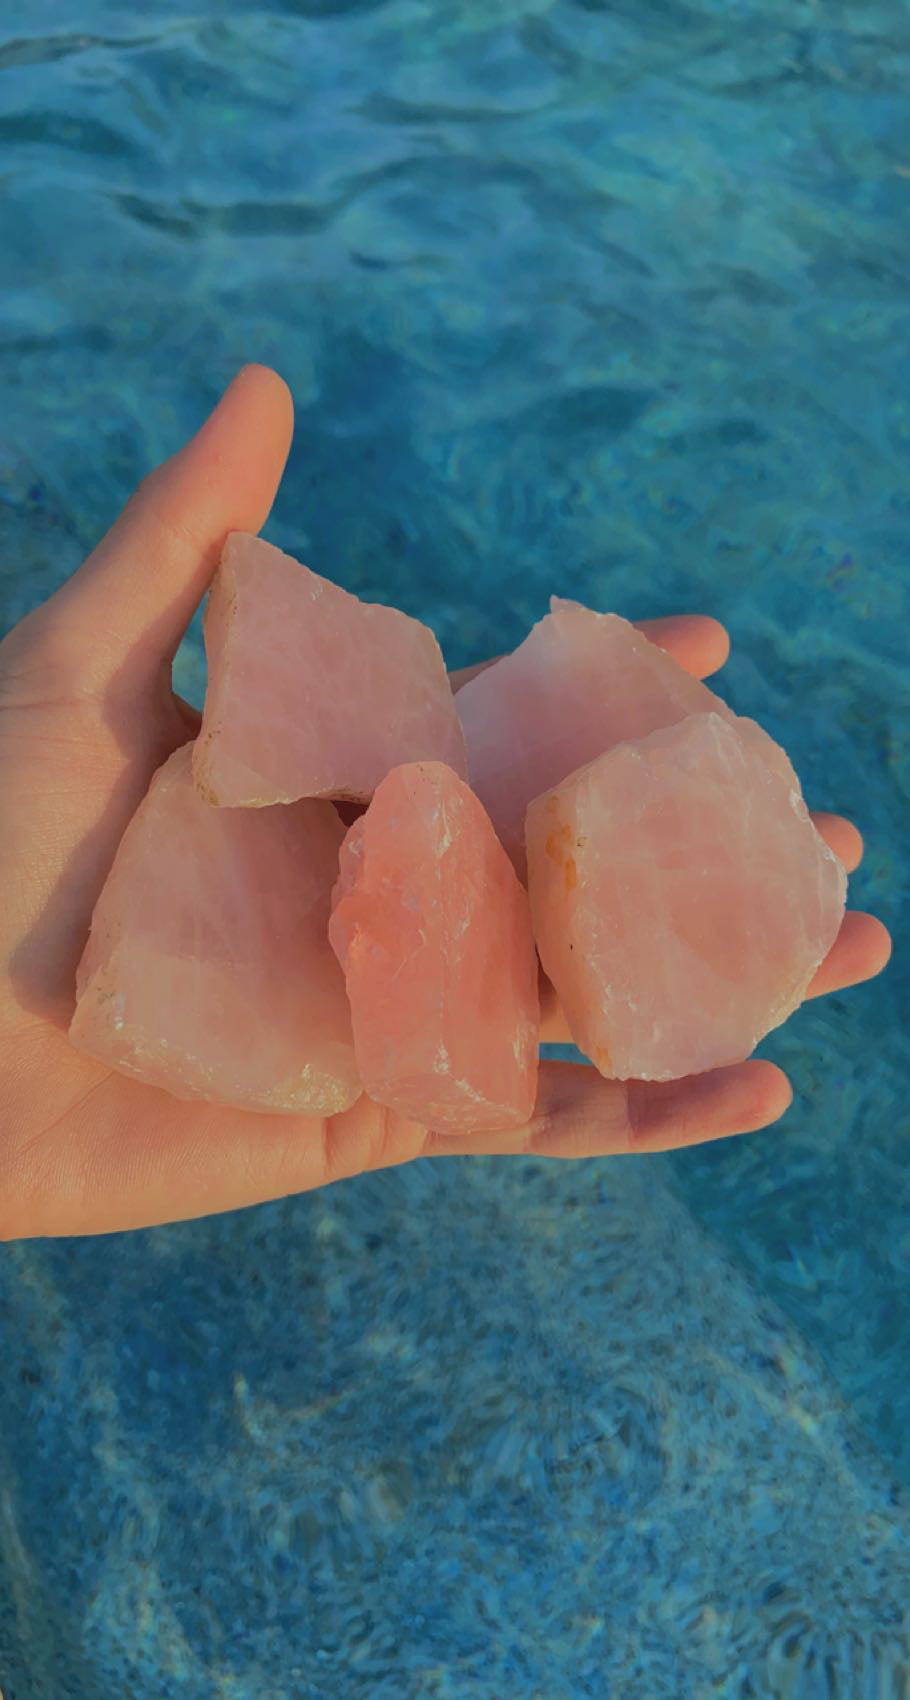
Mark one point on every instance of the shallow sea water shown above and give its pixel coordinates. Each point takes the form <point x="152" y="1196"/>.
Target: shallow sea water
<point x="603" y="298"/>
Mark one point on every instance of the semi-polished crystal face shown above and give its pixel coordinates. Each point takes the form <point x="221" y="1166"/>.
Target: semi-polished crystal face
<point x="682" y="898"/>
<point x="433" y="930"/>
<point x="208" y="970"/>
<point x="578" y="684"/>
<point x="311" y="692"/>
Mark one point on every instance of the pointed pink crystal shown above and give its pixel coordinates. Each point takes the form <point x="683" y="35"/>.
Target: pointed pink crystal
<point x="578" y="684"/>
<point x="208" y="969"/>
<point x="312" y="693"/>
<point x="433" y="931"/>
<point x="682" y="898"/>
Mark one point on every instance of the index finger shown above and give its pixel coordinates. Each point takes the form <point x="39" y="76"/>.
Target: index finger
<point x="697" y="642"/>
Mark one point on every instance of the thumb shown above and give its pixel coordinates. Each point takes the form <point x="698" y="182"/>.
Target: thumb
<point x="139" y="589"/>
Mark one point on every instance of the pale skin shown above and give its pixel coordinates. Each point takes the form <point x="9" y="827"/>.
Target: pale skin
<point x="87" y="713"/>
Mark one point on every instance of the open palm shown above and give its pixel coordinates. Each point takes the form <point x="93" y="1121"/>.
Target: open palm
<point x="87" y="713"/>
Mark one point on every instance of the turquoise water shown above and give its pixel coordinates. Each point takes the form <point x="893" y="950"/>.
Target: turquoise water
<point x="610" y="299"/>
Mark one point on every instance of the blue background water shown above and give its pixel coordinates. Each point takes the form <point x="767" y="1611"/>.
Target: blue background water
<point x="610" y="299"/>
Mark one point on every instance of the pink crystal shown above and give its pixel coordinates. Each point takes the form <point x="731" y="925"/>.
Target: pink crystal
<point x="312" y="693"/>
<point x="578" y="684"/>
<point x="208" y="969"/>
<point x="682" y="898"/>
<point x="434" y="933"/>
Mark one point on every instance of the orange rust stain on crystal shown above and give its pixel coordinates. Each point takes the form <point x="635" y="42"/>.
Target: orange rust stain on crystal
<point x="571" y="874"/>
<point x="557" y="841"/>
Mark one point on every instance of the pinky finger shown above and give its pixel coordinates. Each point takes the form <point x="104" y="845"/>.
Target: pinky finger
<point x="579" y="1114"/>
<point x="860" y="951"/>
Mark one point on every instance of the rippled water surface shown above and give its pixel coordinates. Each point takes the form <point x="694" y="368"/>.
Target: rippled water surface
<point x="603" y="298"/>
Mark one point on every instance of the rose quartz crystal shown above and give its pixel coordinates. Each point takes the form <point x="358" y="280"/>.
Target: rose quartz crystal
<point x="208" y="969"/>
<point x="578" y="684"/>
<point x="433" y="931"/>
<point x="682" y="898"/>
<point x="312" y="693"/>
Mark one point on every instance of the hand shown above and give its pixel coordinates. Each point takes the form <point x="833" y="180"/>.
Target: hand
<point x="87" y="713"/>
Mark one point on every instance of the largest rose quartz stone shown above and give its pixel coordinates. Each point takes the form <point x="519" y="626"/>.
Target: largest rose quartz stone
<point x="208" y="969"/>
<point x="311" y="692"/>
<point x="578" y="684"/>
<point x="434" y="932"/>
<point x="682" y="898"/>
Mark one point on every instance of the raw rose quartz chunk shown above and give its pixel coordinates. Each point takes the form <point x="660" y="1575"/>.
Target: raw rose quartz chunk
<point x="578" y="684"/>
<point x="434" y="933"/>
<point x="208" y="969"/>
<point x="312" y="693"/>
<point x="682" y="898"/>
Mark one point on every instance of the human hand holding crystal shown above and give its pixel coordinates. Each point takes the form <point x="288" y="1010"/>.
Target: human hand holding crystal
<point x="87" y="716"/>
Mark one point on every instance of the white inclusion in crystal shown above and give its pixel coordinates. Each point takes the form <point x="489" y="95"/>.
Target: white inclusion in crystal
<point x="441" y="1061"/>
<point x="470" y="1092"/>
<point x="447" y="833"/>
<point x="524" y="1040"/>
